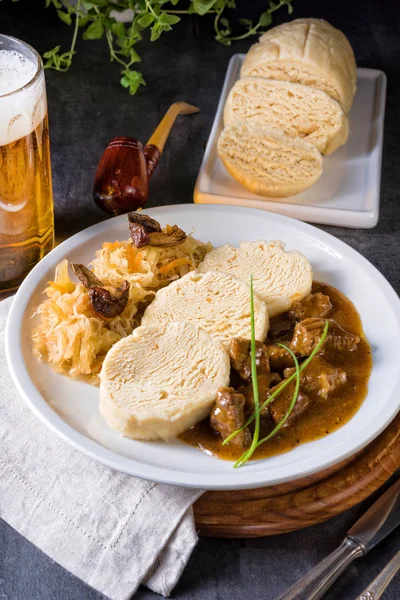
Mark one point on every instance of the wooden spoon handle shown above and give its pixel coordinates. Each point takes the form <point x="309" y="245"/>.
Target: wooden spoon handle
<point x="161" y="133"/>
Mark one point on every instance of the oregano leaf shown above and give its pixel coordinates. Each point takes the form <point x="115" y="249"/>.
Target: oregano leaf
<point x="94" y="31"/>
<point x="84" y="21"/>
<point x="134" y="56"/>
<point x="55" y="3"/>
<point x="201" y="7"/>
<point x="225" y="23"/>
<point x="266" y="19"/>
<point x="156" y="31"/>
<point x="51" y="52"/>
<point x="169" y="19"/>
<point x="146" y="20"/>
<point x="118" y="29"/>
<point x="132" y="80"/>
<point x="246" y="22"/>
<point x="65" y="17"/>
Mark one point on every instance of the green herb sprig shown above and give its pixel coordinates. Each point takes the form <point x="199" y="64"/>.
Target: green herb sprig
<point x="293" y="402"/>
<point x="256" y="442"/>
<point x="248" y="453"/>
<point x="96" y="19"/>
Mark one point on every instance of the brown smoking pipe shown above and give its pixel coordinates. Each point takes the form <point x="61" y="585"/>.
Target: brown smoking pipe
<point x="122" y="178"/>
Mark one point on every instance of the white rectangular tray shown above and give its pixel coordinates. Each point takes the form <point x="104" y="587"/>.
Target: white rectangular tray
<point x="348" y="191"/>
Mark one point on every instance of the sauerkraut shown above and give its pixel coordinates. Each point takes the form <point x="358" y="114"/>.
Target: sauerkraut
<point x="71" y="337"/>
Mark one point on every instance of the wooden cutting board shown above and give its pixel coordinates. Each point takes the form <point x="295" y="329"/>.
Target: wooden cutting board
<point x="298" y="504"/>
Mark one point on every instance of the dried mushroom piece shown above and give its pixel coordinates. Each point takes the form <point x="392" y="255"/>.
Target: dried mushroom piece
<point x="174" y="237"/>
<point x="106" y="304"/>
<point x="141" y="226"/>
<point x="86" y="276"/>
<point x="146" y="231"/>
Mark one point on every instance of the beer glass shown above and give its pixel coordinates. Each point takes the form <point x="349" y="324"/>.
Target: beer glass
<point x="26" y="201"/>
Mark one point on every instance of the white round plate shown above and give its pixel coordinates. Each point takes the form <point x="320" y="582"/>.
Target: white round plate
<point x="70" y="408"/>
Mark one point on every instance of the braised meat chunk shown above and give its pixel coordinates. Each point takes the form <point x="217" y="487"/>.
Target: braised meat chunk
<point x="279" y="358"/>
<point x="307" y="334"/>
<point x="313" y="305"/>
<point x="228" y="415"/>
<point x="320" y="377"/>
<point x="264" y="385"/>
<point x="240" y="355"/>
<point x="280" y="405"/>
<point x="280" y="328"/>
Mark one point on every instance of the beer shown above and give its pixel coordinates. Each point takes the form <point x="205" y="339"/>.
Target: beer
<point x="26" y="202"/>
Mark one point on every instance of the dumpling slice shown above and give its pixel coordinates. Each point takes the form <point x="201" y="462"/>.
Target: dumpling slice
<point x="297" y="110"/>
<point x="219" y="303"/>
<point x="280" y="277"/>
<point x="267" y="161"/>
<point x="161" y="380"/>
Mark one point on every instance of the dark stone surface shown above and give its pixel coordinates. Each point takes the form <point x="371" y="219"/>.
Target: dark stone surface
<point x="87" y="108"/>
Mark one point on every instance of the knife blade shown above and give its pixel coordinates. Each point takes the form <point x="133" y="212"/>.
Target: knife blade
<point x="374" y="525"/>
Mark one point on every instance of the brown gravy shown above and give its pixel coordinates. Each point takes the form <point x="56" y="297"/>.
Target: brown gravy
<point x="323" y="417"/>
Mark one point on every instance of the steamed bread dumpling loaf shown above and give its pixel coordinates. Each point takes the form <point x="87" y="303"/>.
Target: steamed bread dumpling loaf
<point x="307" y="51"/>
<point x="297" y="110"/>
<point x="280" y="277"/>
<point x="161" y="380"/>
<point x="268" y="162"/>
<point x="219" y="303"/>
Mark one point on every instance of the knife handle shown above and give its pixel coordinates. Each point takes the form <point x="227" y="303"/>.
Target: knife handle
<point x="314" y="585"/>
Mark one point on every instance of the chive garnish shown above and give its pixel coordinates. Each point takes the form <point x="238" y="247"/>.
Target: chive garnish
<point x="293" y="402"/>
<point x="257" y="408"/>
<point x="246" y="455"/>
<point x="303" y="366"/>
<point x="283" y="384"/>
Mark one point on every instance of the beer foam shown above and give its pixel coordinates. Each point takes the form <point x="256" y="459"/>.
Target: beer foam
<point x="22" y="111"/>
<point x="15" y="71"/>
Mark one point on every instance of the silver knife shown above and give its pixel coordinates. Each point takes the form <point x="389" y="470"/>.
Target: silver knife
<point x="379" y="520"/>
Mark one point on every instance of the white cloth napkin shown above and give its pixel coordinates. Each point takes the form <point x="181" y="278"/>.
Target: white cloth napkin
<point x="110" y="530"/>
